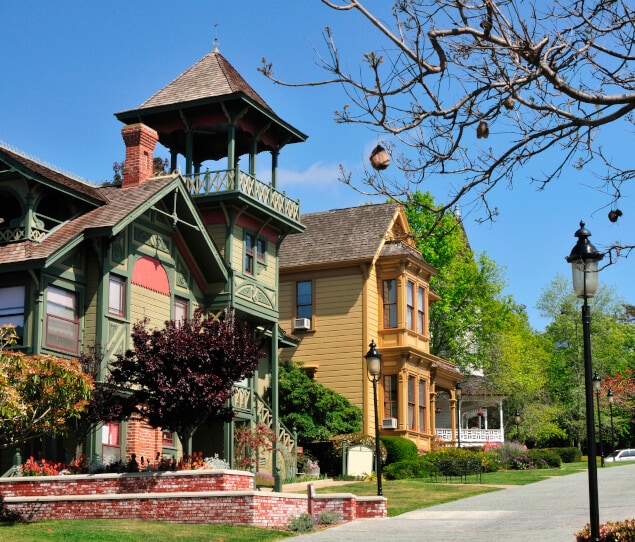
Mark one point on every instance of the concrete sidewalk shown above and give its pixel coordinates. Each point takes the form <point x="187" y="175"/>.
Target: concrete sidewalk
<point x="550" y="511"/>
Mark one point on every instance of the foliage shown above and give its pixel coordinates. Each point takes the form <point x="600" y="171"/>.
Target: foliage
<point x="302" y="524"/>
<point x="612" y="531"/>
<point x="399" y="449"/>
<point x="183" y="375"/>
<point x="328" y="518"/>
<point x="475" y="91"/>
<point x="264" y="479"/>
<point x="38" y="394"/>
<point x="542" y="458"/>
<point x="316" y="412"/>
<point x="159" y="167"/>
<point x="511" y="453"/>
<point x="216" y="462"/>
<point x="471" y="310"/>
<point x="8" y="517"/>
<point x="250" y="441"/>
<point x="570" y="454"/>
<point x="410" y="468"/>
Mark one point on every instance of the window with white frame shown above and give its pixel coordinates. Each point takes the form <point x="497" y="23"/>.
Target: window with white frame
<point x="181" y="310"/>
<point x="12" y="308"/>
<point x="62" y="320"/>
<point x="111" y="442"/>
<point x="117" y="295"/>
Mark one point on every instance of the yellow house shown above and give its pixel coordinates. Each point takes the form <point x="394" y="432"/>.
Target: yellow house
<point x="355" y="276"/>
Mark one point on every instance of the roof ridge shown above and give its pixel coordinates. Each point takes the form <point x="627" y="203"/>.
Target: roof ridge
<point x="12" y="149"/>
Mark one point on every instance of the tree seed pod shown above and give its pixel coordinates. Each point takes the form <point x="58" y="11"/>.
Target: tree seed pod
<point x="614" y="215"/>
<point x="508" y="103"/>
<point x="379" y="158"/>
<point x="482" y="130"/>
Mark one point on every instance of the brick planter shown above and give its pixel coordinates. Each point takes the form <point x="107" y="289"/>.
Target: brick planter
<point x="205" y="496"/>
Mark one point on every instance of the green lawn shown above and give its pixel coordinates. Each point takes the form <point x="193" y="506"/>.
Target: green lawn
<point x="402" y="495"/>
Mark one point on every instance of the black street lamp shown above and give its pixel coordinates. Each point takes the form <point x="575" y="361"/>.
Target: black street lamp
<point x="584" y="260"/>
<point x="517" y="421"/>
<point x="373" y="366"/>
<point x="457" y="394"/>
<point x="597" y="386"/>
<point x="609" y="394"/>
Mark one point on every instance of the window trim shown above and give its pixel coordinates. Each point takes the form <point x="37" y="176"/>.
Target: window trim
<point x="75" y="321"/>
<point x="122" y="295"/>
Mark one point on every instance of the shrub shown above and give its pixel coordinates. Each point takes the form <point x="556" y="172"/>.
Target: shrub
<point x="512" y="455"/>
<point x="328" y="518"/>
<point x="543" y="459"/>
<point x="421" y="467"/>
<point x="399" y="449"/>
<point x="619" y="531"/>
<point x="302" y="523"/>
<point x="490" y="461"/>
<point x="570" y="454"/>
<point x="264" y="479"/>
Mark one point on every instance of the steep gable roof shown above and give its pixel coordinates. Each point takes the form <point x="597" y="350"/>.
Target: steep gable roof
<point x="340" y="235"/>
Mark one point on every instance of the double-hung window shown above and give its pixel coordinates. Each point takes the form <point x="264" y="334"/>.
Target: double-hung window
<point x="390" y="396"/>
<point x="410" y="305"/>
<point x="12" y="308"/>
<point x="181" y="310"/>
<point x="62" y="320"/>
<point x="250" y="242"/>
<point x="304" y="299"/>
<point x="111" y="442"/>
<point x="117" y="295"/>
<point x="390" y="303"/>
<point x="411" y="403"/>
<point x="422" y="406"/>
<point x="420" y="309"/>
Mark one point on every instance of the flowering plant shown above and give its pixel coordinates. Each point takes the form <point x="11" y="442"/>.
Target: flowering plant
<point x="41" y="467"/>
<point x="264" y="479"/>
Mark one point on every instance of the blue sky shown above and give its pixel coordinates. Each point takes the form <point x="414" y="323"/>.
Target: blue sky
<point x="70" y="65"/>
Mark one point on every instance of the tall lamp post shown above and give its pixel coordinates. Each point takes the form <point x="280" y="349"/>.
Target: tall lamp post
<point x="597" y="386"/>
<point x="373" y="366"/>
<point x="457" y="393"/>
<point x="517" y="421"/>
<point x="584" y="260"/>
<point x="609" y="394"/>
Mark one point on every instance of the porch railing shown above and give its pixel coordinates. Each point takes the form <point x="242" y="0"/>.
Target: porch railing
<point x="472" y="436"/>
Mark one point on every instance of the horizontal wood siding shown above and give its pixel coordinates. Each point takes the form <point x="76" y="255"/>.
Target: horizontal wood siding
<point x="145" y="303"/>
<point x="91" y="297"/>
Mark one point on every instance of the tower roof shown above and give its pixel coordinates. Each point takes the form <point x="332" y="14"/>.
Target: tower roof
<point x="204" y="100"/>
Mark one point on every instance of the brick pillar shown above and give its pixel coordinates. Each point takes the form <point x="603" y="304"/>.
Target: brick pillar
<point x="142" y="440"/>
<point x="140" y="141"/>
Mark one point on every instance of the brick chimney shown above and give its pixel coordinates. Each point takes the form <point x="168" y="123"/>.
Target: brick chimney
<point x="140" y="141"/>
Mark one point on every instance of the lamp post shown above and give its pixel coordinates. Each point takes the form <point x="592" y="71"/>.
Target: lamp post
<point x="517" y="421"/>
<point x="609" y="394"/>
<point x="584" y="260"/>
<point x="373" y="366"/>
<point x="597" y="386"/>
<point x="457" y="393"/>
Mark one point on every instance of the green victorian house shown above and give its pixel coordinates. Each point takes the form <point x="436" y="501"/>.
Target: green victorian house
<point x="80" y="263"/>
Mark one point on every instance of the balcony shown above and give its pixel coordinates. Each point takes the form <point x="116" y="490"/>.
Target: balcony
<point x="236" y="181"/>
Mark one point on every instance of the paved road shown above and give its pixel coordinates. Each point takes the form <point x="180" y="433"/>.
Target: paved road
<point x="549" y="511"/>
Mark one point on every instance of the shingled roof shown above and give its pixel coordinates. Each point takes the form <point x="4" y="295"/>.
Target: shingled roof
<point x="340" y="235"/>
<point x="211" y="77"/>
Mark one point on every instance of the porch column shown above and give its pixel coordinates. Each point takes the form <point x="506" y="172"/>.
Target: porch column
<point x="453" y="415"/>
<point x="502" y="425"/>
<point x="277" y="480"/>
<point x="274" y="168"/>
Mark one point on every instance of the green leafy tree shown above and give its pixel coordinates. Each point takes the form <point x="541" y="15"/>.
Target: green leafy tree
<point x="317" y="412"/>
<point x="38" y="394"/>
<point x="179" y="377"/>
<point x="472" y="309"/>
<point x="612" y="349"/>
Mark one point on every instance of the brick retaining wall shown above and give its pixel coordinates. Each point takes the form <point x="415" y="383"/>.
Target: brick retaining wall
<point x="174" y="497"/>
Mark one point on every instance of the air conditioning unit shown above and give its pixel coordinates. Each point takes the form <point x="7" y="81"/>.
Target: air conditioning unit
<point x="389" y="423"/>
<point x="302" y="323"/>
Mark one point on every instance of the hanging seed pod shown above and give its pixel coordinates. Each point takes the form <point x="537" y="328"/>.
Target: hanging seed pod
<point x="614" y="215"/>
<point x="482" y="130"/>
<point x="379" y="158"/>
<point x="508" y="103"/>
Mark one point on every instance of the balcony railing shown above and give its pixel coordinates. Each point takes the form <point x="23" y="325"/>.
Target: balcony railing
<point x="234" y="180"/>
<point x="472" y="436"/>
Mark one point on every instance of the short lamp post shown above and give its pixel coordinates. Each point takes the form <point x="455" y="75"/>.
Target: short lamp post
<point x="517" y="422"/>
<point x="457" y="393"/>
<point x="373" y="366"/>
<point x="597" y="386"/>
<point x="609" y="394"/>
<point x="584" y="260"/>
